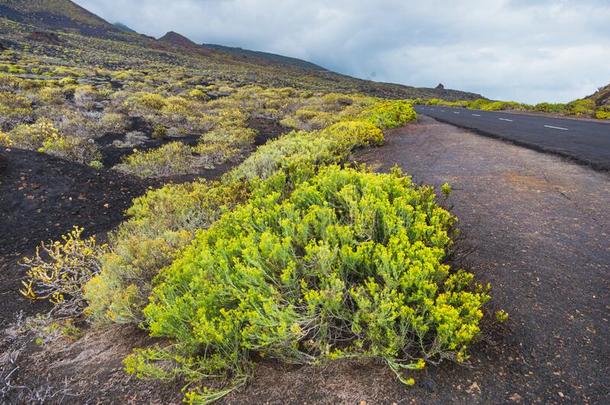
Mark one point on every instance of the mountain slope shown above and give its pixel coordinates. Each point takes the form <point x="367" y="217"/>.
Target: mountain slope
<point x="264" y="57"/>
<point x="56" y="15"/>
<point x="601" y="96"/>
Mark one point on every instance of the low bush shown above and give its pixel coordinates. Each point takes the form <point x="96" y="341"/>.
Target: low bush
<point x="579" y="108"/>
<point x="349" y="264"/>
<point x="556" y="108"/>
<point x="59" y="270"/>
<point x="71" y="148"/>
<point x="113" y="122"/>
<point x="164" y="221"/>
<point x="160" y="223"/>
<point x="32" y="136"/>
<point x="171" y="159"/>
<point x="582" y="108"/>
<point x="389" y="114"/>
<point x="14" y="109"/>
<point x="5" y="140"/>
<point x="602" y="114"/>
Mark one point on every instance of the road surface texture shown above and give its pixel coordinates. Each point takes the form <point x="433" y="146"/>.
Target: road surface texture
<point x="584" y="141"/>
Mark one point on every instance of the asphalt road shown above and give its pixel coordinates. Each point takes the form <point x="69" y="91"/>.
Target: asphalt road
<point x="584" y="141"/>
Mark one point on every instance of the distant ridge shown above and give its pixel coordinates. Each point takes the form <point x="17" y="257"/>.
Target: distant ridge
<point x="174" y="38"/>
<point x="124" y="28"/>
<point x="246" y="53"/>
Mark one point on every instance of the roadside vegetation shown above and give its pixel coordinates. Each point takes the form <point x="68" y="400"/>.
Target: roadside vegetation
<point x="291" y="254"/>
<point x="583" y="108"/>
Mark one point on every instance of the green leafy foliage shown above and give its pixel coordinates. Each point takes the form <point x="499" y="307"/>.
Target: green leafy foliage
<point x="349" y="264"/>
<point x="160" y="223"/>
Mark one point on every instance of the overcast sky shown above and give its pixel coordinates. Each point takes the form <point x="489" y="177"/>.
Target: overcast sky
<point x="523" y="50"/>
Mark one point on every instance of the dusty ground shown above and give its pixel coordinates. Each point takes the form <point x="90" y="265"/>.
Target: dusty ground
<point x="537" y="229"/>
<point x="42" y="198"/>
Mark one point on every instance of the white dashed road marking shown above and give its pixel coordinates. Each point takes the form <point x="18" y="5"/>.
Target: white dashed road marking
<point x="456" y="112"/>
<point x="559" y="128"/>
<point x="505" y="119"/>
<point x="476" y="115"/>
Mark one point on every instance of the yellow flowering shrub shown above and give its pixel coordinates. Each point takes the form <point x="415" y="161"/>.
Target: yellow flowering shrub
<point x="347" y="264"/>
<point x="32" y="136"/>
<point x="5" y="140"/>
<point x="71" y="148"/>
<point x="59" y="270"/>
<point x="170" y="159"/>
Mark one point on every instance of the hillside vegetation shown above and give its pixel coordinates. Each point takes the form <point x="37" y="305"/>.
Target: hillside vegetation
<point x="596" y="105"/>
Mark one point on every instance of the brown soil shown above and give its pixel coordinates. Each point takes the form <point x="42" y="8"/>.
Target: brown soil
<point x="533" y="225"/>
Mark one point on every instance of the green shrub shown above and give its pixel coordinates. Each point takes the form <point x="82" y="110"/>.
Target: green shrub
<point x="14" y="108"/>
<point x="355" y="134"/>
<point x="389" y="114"/>
<point x="602" y="114"/>
<point x="581" y="107"/>
<point x="160" y="224"/>
<point x="113" y="122"/>
<point x="71" y="148"/>
<point x="171" y="159"/>
<point x="349" y="264"/>
<point x="557" y="108"/>
<point x="164" y="221"/>
<point x="5" y="140"/>
<point x="144" y="101"/>
<point x="33" y="136"/>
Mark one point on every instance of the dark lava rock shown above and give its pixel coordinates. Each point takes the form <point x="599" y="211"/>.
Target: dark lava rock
<point x="48" y="37"/>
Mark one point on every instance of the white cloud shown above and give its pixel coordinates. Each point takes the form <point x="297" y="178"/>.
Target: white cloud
<point x="524" y="50"/>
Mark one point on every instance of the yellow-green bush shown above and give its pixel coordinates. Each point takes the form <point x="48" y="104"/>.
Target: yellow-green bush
<point x="113" y="122"/>
<point x="356" y="134"/>
<point x="71" y="148"/>
<point x="14" y="108"/>
<point x="150" y="239"/>
<point x="160" y="224"/>
<point x="389" y="114"/>
<point x="556" y="108"/>
<point x="170" y="159"/>
<point x="147" y="101"/>
<point x="59" y="270"/>
<point x="581" y="107"/>
<point x="52" y="95"/>
<point x="32" y="136"/>
<point x="602" y="114"/>
<point x="5" y="139"/>
<point x="349" y="264"/>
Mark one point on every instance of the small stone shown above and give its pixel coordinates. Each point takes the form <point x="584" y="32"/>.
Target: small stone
<point x="515" y="397"/>
<point x="474" y="388"/>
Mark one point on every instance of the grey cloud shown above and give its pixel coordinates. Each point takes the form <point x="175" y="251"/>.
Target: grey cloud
<point x="525" y="50"/>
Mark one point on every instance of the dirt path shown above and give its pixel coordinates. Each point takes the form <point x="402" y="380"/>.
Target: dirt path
<point x="540" y="230"/>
